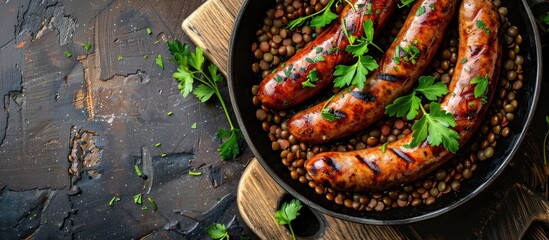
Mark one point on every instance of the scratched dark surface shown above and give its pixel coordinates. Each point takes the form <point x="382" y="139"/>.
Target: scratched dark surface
<point x="49" y="100"/>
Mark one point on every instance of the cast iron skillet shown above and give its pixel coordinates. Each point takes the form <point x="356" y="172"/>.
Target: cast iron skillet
<point x="241" y="80"/>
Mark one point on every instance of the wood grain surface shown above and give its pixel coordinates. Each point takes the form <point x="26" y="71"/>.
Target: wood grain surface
<point x="503" y="211"/>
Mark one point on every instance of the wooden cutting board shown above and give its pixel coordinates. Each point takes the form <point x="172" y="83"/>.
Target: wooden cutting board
<point x="259" y="195"/>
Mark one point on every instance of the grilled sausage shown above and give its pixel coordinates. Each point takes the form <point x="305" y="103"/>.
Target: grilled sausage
<point x="371" y="169"/>
<point x="283" y="88"/>
<point x="358" y="108"/>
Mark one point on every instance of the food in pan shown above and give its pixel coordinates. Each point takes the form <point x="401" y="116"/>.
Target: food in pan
<point x="389" y="171"/>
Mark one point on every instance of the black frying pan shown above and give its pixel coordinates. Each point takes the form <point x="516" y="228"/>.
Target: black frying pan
<point x="241" y="80"/>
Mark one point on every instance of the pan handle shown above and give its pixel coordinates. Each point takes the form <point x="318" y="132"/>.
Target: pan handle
<point x="520" y="208"/>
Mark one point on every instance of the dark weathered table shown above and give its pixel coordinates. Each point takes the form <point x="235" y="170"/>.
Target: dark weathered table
<point x="109" y="106"/>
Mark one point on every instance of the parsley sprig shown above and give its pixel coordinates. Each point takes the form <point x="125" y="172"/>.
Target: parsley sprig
<point x="191" y="69"/>
<point x="318" y="19"/>
<point x="311" y="78"/>
<point x="480" y="87"/>
<point x="435" y="125"/>
<point x="355" y="74"/>
<point x="327" y="113"/>
<point x="287" y="213"/>
<point x="217" y="231"/>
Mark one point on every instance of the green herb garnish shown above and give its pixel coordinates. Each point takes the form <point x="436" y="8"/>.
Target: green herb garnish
<point x="119" y="58"/>
<point x="368" y="9"/>
<point x="481" y="85"/>
<point x="545" y="18"/>
<point x="464" y="60"/>
<point x="137" y="199"/>
<point x="217" y="232"/>
<point x="356" y="74"/>
<point x="195" y="173"/>
<point x="412" y="53"/>
<point x="432" y="6"/>
<point x="482" y="25"/>
<point x="159" y="61"/>
<point x="287" y="213"/>
<point x="405" y="3"/>
<point x="113" y="200"/>
<point x="87" y="46"/>
<point x="157" y="145"/>
<point x="311" y="78"/>
<point x="384" y="147"/>
<point x="193" y="126"/>
<point x="149" y="31"/>
<point x="68" y="54"/>
<point x="327" y="113"/>
<point x="138" y="171"/>
<point x="420" y="11"/>
<point x="170" y="113"/>
<point x="190" y="69"/>
<point x="436" y="124"/>
<point x="153" y="204"/>
<point x="318" y="19"/>
<point x="163" y="155"/>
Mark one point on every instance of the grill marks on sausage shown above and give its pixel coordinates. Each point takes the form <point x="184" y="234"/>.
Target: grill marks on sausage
<point x="388" y="77"/>
<point x="402" y="155"/>
<point x="364" y="96"/>
<point x="372" y="165"/>
<point x="330" y="163"/>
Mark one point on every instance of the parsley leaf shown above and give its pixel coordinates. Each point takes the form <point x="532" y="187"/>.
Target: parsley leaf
<point x="113" y="200"/>
<point x="405" y="105"/>
<point x="87" y="46"/>
<point x="311" y="78"/>
<point x="326" y="16"/>
<point x="217" y="231"/>
<point x="481" y="85"/>
<point x="149" y="31"/>
<point x="430" y="89"/>
<point x="159" y="61"/>
<point x="435" y="124"/>
<point x="230" y="148"/>
<point x="203" y="92"/>
<point x="356" y="73"/>
<point x="68" y="54"/>
<point x="432" y="6"/>
<point x="420" y="11"/>
<point x="137" y="199"/>
<point x="287" y="213"/>
<point x="185" y="78"/>
<point x="324" y="19"/>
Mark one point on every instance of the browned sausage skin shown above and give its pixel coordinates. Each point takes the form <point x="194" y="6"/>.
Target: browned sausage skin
<point x="371" y="169"/>
<point x="360" y="108"/>
<point x="283" y="88"/>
